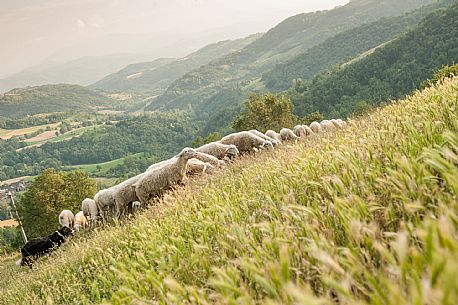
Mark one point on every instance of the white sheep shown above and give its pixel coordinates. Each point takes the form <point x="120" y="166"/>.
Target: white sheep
<point x="105" y="203"/>
<point x="219" y="150"/>
<point x="245" y="141"/>
<point x="338" y="123"/>
<point x="300" y="131"/>
<point x="308" y="130"/>
<point x="206" y="158"/>
<point x="342" y="123"/>
<point x="327" y="125"/>
<point x="197" y="167"/>
<point x="159" y="179"/>
<point x="90" y="210"/>
<point x="80" y="221"/>
<point x="288" y="135"/>
<point x="274" y="135"/>
<point x="67" y="219"/>
<point x="124" y="194"/>
<point x="274" y="142"/>
<point x="316" y="127"/>
<point x="136" y="206"/>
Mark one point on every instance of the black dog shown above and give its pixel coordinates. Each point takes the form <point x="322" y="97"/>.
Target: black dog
<point x="37" y="247"/>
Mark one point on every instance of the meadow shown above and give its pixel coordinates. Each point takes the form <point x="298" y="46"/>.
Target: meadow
<point x="366" y="215"/>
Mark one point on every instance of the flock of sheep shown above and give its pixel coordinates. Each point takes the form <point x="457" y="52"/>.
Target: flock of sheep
<point x="128" y="196"/>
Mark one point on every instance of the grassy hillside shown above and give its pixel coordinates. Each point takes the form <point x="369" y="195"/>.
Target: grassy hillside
<point x="159" y="74"/>
<point x="291" y="37"/>
<point x="22" y="102"/>
<point x="344" y="47"/>
<point x="389" y="73"/>
<point x="363" y="216"/>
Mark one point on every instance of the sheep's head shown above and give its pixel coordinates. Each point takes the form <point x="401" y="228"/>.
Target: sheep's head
<point x="275" y="143"/>
<point x="187" y="153"/>
<point x="232" y="151"/>
<point x="267" y="144"/>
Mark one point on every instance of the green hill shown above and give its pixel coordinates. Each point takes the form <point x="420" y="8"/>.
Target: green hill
<point x="22" y="102"/>
<point x="344" y="47"/>
<point x="390" y="72"/>
<point x="158" y="136"/>
<point x="156" y="76"/>
<point x="290" y="38"/>
<point x="366" y="215"/>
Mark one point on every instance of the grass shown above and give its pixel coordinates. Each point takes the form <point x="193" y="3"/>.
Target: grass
<point x="63" y="137"/>
<point x="6" y="134"/>
<point x="92" y="169"/>
<point x="367" y="215"/>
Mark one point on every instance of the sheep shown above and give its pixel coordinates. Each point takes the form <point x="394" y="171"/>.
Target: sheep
<point x="219" y="150"/>
<point x="326" y="125"/>
<point x="80" y="221"/>
<point x="197" y="167"/>
<point x="158" y="179"/>
<point x="245" y="141"/>
<point x="90" y="210"/>
<point x="308" y="130"/>
<point x="275" y="142"/>
<point x="136" y="206"/>
<point x="342" y="123"/>
<point x="300" y="131"/>
<point x="336" y="124"/>
<point x="198" y="164"/>
<point x="274" y="135"/>
<point x="105" y="203"/>
<point x="124" y="194"/>
<point x="215" y="162"/>
<point x="288" y="135"/>
<point x="316" y="127"/>
<point x="67" y="219"/>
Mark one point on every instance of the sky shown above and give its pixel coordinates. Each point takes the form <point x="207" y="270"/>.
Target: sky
<point x="36" y="31"/>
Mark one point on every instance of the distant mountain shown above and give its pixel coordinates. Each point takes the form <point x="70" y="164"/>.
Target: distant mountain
<point x="159" y="74"/>
<point x="82" y="71"/>
<point x="86" y="70"/>
<point x="390" y="72"/>
<point x="22" y="102"/>
<point x="344" y="47"/>
<point x="295" y="35"/>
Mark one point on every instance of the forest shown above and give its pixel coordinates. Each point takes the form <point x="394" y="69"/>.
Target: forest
<point x="160" y="135"/>
<point x="344" y="47"/>
<point x="390" y="72"/>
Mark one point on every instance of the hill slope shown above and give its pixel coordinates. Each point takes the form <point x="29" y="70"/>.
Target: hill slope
<point x="344" y="47"/>
<point x="389" y="73"/>
<point x="286" y="40"/>
<point x="347" y="217"/>
<point x="19" y="103"/>
<point x="151" y="76"/>
<point x="82" y="71"/>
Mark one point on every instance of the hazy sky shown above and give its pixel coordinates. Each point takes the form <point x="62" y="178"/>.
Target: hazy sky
<point x="34" y="30"/>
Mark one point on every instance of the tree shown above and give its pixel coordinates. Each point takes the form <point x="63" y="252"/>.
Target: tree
<point x="313" y="117"/>
<point x="49" y="194"/>
<point x="446" y="71"/>
<point x="263" y="112"/>
<point x="10" y="239"/>
<point x="199" y="141"/>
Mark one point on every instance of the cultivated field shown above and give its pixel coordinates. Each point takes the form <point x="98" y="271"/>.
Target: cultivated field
<point x="92" y="168"/>
<point x="367" y="215"/>
<point x="6" y="134"/>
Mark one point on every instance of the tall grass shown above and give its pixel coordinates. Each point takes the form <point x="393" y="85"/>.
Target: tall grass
<point x="367" y="215"/>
